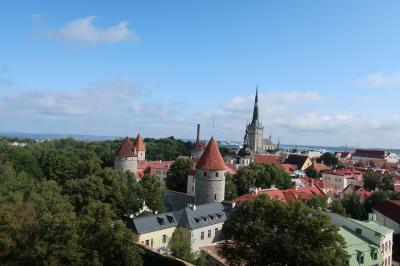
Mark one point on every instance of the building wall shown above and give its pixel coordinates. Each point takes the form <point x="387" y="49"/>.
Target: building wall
<point x="341" y="182"/>
<point x="215" y="235"/>
<point x="162" y="174"/>
<point x="306" y="164"/>
<point x="155" y="239"/>
<point x="190" y="185"/>
<point x="141" y="155"/>
<point x="122" y="163"/>
<point x="255" y="135"/>
<point x="209" y="186"/>
<point x="385" y="241"/>
<point x="389" y="223"/>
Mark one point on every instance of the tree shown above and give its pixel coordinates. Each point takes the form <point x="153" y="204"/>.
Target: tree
<point x="260" y="175"/>
<point x="152" y="191"/>
<point x="337" y="207"/>
<point x="269" y="232"/>
<point x="311" y="172"/>
<point x="230" y="187"/>
<point x="371" y="180"/>
<point x="328" y="159"/>
<point x="354" y="207"/>
<point x="106" y="241"/>
<point x="318" y="202"/>
<point x="181" y="246"/>
<point x="375" y="198"/>
<point x="387" y="183"/>
<point x="177" y="175"/>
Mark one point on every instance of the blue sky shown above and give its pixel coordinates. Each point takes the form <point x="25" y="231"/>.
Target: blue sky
<point x="328" y="72"/>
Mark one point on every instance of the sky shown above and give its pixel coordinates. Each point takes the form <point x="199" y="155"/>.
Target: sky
<point x="328" y="71"/>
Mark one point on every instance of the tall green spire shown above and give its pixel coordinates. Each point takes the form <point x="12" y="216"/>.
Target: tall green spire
<point x="255" y="119"/>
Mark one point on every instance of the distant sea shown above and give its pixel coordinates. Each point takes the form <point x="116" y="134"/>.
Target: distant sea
<point x="45" y="136"/>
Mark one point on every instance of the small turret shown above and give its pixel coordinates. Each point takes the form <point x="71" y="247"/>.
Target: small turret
<point x="140" y="148"/>
<point x="126" y="157"/>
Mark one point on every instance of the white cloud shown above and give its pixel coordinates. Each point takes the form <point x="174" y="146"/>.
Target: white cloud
<point x="83" y="31"/>
<point x="380" y="80"/>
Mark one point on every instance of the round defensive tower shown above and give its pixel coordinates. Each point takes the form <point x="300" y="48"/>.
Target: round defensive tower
<point x="126" y="157"/>
<point x="210" y="175"/>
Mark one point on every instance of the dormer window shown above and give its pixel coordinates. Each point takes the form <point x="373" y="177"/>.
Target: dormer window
<point x="360" y="258"/>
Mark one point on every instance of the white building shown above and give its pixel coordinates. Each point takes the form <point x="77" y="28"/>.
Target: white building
<point x="341" y="178"/>
<point x="370" y="230"/>
<point x="201" y="224"/>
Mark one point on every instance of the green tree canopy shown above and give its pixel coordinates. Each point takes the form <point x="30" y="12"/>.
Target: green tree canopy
<point x="181" y="246"/>
<point x="260" y="175"/>
<point x="230" y="187"/>
<point x="328" y="159"/>
<point x="269" y="232"/>
<point x="177" y="174"/>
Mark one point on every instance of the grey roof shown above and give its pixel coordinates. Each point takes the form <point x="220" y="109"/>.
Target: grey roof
<point x="176" y="200"/>
<point x="190" y="217"/>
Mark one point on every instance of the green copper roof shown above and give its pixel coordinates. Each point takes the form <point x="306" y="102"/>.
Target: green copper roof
<point x="383" y="230"/>
<point x="357" y="245"/>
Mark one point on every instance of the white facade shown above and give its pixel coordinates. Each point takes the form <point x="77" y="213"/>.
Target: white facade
<point x="386" y="221"/>
<point x="392" y="158"/>
<point x="141" y="155"/>
<point x="205" y="236"/>
<point x="341" y="182"/>
<point x="366" y="230"/>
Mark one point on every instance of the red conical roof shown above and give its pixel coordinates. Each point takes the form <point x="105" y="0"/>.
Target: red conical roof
<point x="211" y="158"/>
<point x="139" y="144"/>
<point x="126" y="149"/>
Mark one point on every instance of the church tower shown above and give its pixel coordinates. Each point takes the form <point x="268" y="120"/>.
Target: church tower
<point x="255" y="130"/>
<point x="210" y="175"/>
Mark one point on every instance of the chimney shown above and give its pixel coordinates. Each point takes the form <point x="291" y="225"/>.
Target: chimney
<point x="198" y="133"/>
<point x="233" y="204"/>
<point x="372" y="217"/>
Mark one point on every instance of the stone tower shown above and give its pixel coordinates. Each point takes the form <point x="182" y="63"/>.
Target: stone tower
<point x="126" y="158"/>
<point x="140" y="148"/>
<point x="198" y="147"/>
<point x="210" y="175"/>
<point x="255" y="130"/>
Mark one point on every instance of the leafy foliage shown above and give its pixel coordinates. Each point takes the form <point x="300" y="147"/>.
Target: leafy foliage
<point x="260" y="175"/>
<point x="177" y="174"/>
<point x="181" y="246"/>
<point x="328" y="159"/>
<point x="60" y="203"/>
<point x="230" y="187"/>
<point x="269" y="232"/>
<point x="166" y="149"/>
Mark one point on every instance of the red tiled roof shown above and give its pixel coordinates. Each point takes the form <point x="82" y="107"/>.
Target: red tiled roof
<point x="389" y="208"/>
<point x="288" y="195"/>
<point x="377" y="154"/>
<point x="289" y="168"/>
<point x="319" y="167"/>
<point x="150" y="171"/>
<point x="211" y="158"/>
<point x="165" y="165"/>
<point x="361" y="191"/>
<point x="268" y="159"/>
<point x="139" y="144"/>
<point x="231" y="168"/>
<point x="126" y="149"/>
<point x="273" y="193"/>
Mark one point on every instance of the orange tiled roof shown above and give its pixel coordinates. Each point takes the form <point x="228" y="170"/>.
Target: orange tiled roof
<point x="319" y="167"/>
<point x="211" y="158"/>
<point x="126" y="149"/>
<point x="139" y="144"/>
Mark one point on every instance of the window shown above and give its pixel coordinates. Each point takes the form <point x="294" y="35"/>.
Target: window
<point x="216" y="174"/>
<point x="202" y="235"/>
<point x="205" y="173"/>
<point x="152" y="242"/>
<point x="216" y="230"/>
<point x="360" y="258"/>
<point x="147" y="242"/>
<point x="209" y="234"/>
<point x="164" y="239"/>
<point x="215" y="196"/>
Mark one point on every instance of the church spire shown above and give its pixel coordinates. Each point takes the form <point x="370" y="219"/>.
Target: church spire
<point x="255" y="111"/>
